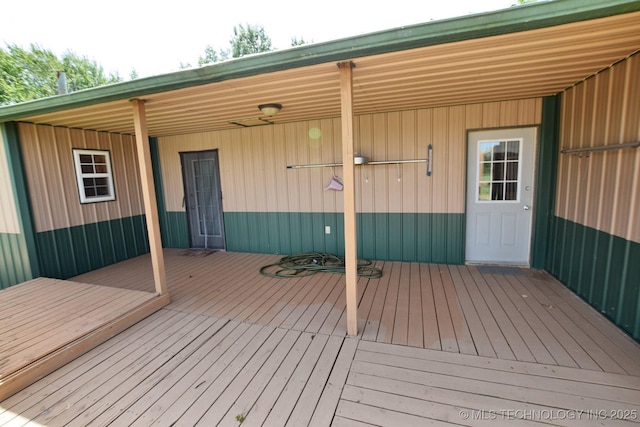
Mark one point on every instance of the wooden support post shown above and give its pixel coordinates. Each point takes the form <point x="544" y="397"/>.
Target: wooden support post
<point x="349" y="194"/>
<point x="149" y="195"/>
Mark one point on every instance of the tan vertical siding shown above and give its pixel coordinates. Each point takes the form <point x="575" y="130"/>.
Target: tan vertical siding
<point x="47" y="153"/>
<point x="253" y="161"/>
<point x="8" y="210"/>
<point x="600" y="189"/>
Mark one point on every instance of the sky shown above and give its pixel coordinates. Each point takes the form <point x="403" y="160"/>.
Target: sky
<point x="155" y="37"/>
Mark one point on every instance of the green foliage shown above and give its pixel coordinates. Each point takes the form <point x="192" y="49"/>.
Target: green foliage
<point x="251" y="39"/>
<point x="245" y="41"/>
<point x="295" y="41"/>
<point x="27" y="74"/>
<point x="211" y="56"/>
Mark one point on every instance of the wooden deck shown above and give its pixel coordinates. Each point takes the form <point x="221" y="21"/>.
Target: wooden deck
<point x="504" y="313"/>
<point x="437" y="345"/>
<point x="47" y="322"/>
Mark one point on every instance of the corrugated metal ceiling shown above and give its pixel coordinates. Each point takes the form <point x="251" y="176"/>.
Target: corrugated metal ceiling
<point x="520" y="65"/>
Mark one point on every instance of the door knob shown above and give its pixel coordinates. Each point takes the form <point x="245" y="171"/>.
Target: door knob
<point x="526" y="207"/>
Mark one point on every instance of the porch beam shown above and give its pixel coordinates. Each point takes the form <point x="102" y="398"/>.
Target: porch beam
<point x="349" y="194"/>
<point x="149" y="196"/>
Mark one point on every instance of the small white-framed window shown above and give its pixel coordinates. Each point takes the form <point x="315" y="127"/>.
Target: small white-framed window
<point x="94" y="176"/>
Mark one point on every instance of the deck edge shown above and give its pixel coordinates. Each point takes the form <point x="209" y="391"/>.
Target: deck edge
<point x="38" y="369"/>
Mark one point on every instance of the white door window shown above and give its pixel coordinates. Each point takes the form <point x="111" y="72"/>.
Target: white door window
<point x="499" y="196"/>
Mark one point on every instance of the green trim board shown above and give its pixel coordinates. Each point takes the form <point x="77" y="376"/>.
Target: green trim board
<point x="600" y="268"/>
<point x="22" y="255"/>
<point x="12" y="268"/>
<point x="173" y="225"/>
<point x="546" y="172"/>
<point x="506" y="21"/>
<point x="437" y="238"/>
<point x="67" y="252"/>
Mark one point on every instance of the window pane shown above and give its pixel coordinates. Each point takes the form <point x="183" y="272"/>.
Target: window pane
<point x="497" y="191"/>
<point x="498" y="171"/>
<point x="486" y="151"/>
<point x="483" y="192"/>
<point x="101" y="168"/>
<point x="90" y="191"/>
<point x="99" y="158"/>
<point x="498" y="151"/>
<point x="512" y="171"/>
<point x="86" y="158"/>
<point x="102" y="191"/>
<point x="87" y="168"/>
<point x="511" y="191"/>
<point x="485" y="172"/>
<point x="514" y="150"/>
<point x="88" y="182"/>
<point x="102" y="181"/>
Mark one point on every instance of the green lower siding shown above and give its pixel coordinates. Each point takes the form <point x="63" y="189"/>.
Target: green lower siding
<point x="14" y="260"/>
<point x="175" y="233"/>
<point x="404" y="237"/>
<point x="601" y="268"/>
<point x="67" y="252"/>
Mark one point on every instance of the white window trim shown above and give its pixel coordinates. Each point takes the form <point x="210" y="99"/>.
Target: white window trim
<point x="80" y="176"/>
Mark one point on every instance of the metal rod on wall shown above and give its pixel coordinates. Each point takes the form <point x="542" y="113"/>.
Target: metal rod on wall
<point x="600" y="148"/>
<point x="321" y="165"/>
<point x="393" y="162"/>
<point x="381" y="162"/>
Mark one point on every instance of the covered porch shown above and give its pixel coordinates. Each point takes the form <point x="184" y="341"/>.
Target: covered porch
<point x="439" y="344"/>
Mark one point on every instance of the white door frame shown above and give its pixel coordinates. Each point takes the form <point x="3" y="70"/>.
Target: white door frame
<point x="499" y="207"/>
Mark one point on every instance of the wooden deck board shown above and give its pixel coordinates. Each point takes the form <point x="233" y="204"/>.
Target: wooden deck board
<point x="415" y="334"/>
<point x="430" y="330"/>
<point x="374" y="319"/>
<point x="445" y="323"/>
<point x="385" y="330"/>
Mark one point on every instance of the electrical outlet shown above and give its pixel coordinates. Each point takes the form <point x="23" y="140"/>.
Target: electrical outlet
<point x="327" y="229"/>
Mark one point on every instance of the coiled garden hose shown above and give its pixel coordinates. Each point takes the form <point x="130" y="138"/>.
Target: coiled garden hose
<point x="309" y="263"/>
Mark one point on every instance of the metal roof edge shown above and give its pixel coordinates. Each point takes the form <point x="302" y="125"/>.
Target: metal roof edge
<point x="504" y="21"/>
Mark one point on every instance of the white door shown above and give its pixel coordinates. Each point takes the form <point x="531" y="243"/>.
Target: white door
<point x="499" y="196"/>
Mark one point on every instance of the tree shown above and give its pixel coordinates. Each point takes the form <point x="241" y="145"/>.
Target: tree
<point x="27" y="74"/>
<point x="211" y="56"/>
<point x="251" y="39"/>
<point x="295" y="41"/>
<point x="245" y="41"/>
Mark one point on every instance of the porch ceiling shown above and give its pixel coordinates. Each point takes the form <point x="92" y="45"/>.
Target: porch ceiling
<point x="524" y="64"/>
